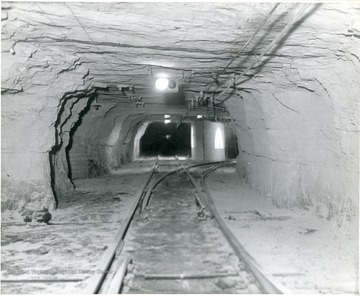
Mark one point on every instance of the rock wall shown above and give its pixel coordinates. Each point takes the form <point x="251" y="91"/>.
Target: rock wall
<point x="124" y="150"/>
<point x="297" y="119"/>
<point x="296" y="112"/>
<point x="27" y="143"/>
<point x="68" y="117"/>
<point x="103" y="142"/>
<point x="37" y="82"/>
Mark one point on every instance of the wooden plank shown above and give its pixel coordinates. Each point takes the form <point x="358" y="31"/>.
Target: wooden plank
<point x="263" y="214"/>
<point x="186" y="276"/>
<point x="283" y="274"/>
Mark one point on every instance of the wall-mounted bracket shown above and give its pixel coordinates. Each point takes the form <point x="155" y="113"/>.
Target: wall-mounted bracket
<point x="137" y="100"/>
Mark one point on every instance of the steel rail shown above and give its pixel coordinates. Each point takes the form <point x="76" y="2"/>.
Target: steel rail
<point x="96" y="282"/>
<point x="117" y="281"/>
<point x="146" y="200"/>
<point x="267" y="283"/>
<point x="198" y="197"/>
<point x="111" y="283"/>
<point x="103" y="282"/>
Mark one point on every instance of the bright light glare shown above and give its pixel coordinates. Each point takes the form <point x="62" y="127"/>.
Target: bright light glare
<point x="193" y="143"/>
<point x="162" y="83"/>
<point x="199" y="116"/>
<point x="219" y="139"/>
<point x="166" y="116"/>
<point x="166" y="121"/>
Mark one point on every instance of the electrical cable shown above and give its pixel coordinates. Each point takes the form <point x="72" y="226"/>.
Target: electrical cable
<point x="252" y="37"/>
<point x="82" y="26"/>
<point x="246" y="44"/>
<point x="62" y="31"/>
<point x="280" y="36"/>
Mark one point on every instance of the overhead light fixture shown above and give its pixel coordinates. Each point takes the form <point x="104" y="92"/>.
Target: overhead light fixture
<point x="162" y="83"/>
<point x="166" y="116"/>
<point x="166" y="121"/>
<point x="166" y="85"/>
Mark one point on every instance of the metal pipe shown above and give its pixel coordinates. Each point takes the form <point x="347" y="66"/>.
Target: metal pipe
<point x="252" y="37"/>
<point x="281" y="35"/>
<point x="247" y="43"/>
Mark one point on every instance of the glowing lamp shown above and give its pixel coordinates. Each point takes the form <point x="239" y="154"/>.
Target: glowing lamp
<point x="166" y="121"/>
<point x="162" y="83"/>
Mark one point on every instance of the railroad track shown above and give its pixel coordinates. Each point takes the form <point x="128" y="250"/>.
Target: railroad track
<point x="173" y="240"/>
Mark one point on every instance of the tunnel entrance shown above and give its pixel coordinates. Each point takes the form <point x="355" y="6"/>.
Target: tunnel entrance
<point x="166" y="140"/>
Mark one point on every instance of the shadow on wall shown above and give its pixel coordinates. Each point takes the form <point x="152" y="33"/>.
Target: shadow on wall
<point x="84" y="152"/>
<point x="170" y="99"/>
<point x="74" y="106"/>
<point x="72" y="132"/>
<point x="286" y="36"/>
<point x="277" y="46"/>
<point x="96" y="169"/>
<point x="272" y="51"/>
<point x="232" y="149"/>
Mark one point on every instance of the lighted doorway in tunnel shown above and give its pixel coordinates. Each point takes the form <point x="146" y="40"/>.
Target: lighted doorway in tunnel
<point x="166" y="139"/>
<point x="219" y="139"/>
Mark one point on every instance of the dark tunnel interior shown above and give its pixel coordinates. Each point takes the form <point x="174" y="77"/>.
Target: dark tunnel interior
<point x="232" y="146"/>
<point x="166" y="139"/>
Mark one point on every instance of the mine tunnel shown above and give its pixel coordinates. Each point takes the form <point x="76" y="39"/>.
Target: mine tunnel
<point x="180" y="147"/>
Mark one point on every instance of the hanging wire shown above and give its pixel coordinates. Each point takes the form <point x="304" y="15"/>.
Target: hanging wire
<point x="246" y="44"/>
<point x="63" y="32"/>
<point x="280" y="36"/>
<point x="277" y="99"/>
<point x="192" y="72"/>
<point x="92" y="40"/>
<point x="252" y="37"/>
<point x="233" y="80"/>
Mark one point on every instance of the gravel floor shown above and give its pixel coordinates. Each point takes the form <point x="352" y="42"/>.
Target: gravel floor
<point x="306" y="253"/>
<point x="68" y="250"/>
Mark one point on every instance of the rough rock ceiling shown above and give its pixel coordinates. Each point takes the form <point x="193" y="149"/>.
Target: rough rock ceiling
<point x="131" y="43"/>
<point x="295" y="115"/>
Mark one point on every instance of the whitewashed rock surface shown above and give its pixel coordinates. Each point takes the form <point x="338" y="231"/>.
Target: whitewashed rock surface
<point x="296" y="115"/>
<point x="296" y="119"/>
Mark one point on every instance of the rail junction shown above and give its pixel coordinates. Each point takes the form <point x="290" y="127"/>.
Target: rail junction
<point x="174" y="241"/>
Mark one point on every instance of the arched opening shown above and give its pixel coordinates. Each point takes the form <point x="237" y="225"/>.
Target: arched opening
<point x="166" y="139"/>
